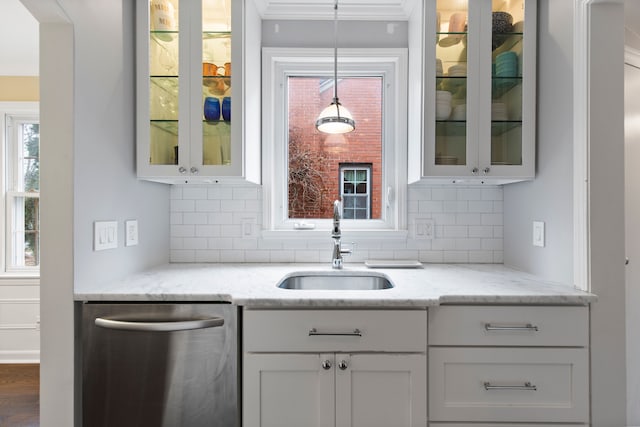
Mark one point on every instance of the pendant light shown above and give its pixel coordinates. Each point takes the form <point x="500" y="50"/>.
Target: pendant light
<point x="335" y="118"/>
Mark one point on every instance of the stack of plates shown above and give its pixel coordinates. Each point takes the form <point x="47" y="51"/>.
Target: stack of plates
<point x="443" y="104"/>
<point x="499" y="112"/>
<point x="507" y="64"/>
<point x="446" y="160"/>
<point x="458" y="70"/>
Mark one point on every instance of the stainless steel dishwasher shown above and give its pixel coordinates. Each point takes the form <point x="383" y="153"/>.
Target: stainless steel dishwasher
<point x="160" y="365"/>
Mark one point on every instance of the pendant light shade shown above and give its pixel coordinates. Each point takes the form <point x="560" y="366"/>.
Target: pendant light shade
<point x="335" y="118"/>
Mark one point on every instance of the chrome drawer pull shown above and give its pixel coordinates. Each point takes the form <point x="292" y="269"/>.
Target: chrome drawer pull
<point x="527" y="327"/>
<point x="354" y="333"/>
<point x="526" y="387"/>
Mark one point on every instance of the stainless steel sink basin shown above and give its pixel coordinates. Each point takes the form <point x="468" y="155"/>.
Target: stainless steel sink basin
<point x="335" y="281"/>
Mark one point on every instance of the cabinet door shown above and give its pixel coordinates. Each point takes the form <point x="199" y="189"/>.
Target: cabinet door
<point x="381" y="390"/>
<point x="162" y="94"/>
<point x="186" y="55"/>
<point x="451" y="87"/>
<point x="507" y="89"/>
<point x="288" y="390"/>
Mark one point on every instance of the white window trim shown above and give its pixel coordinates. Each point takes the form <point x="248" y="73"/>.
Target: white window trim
<point x="280" y="63"/>
<point x="26" y="110"/>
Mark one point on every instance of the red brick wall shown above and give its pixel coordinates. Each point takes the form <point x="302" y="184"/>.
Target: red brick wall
<point x="323" y="153"/>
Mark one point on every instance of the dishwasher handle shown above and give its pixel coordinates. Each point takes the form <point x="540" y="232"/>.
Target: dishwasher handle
<point x="159" y="326"/>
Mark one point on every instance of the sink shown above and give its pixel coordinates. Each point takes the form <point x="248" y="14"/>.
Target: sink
<point x="336" y="281"/>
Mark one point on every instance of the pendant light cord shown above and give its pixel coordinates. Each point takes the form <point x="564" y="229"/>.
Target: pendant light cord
<point x="335" y="57"/>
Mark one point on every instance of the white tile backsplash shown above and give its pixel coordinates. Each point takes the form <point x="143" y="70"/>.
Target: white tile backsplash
<point x="207" y="226"/>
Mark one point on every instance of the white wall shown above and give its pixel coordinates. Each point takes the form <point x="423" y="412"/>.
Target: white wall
<point x="105" y="184"/>
<point x="550" y="197"/>
<point x="632" y="230"/>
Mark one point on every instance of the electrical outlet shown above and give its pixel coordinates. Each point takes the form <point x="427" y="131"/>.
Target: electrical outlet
<point x="423" y="228"/>
<point x="131" y="232"/>
<point x="105" y="235"/>
<point x="538" y="234"/>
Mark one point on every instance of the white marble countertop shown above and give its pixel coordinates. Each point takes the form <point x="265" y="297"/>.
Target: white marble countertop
<point x="254" y="285"/>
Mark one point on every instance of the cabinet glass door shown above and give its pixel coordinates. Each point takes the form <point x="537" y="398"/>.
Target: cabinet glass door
<point x="451" y="83"/>
<point x="506" y="82"/>
<point x="216" y="82"/>
<point x="164" y="40"/>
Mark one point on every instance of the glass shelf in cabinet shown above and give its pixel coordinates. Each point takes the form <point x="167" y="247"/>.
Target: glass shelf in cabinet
<point x="169" y="126"/>
<point x="164" y="35"/>
<point x="207" y="35"/>
<point x="451" y="128"/>
<point x="499" y="127"/>
<point x="217" y="85"/>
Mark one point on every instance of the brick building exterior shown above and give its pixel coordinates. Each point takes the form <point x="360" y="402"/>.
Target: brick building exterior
<point x="315" y="157"/>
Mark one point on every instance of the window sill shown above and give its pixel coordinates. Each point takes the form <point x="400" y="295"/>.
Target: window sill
<point x="318" y="235"/>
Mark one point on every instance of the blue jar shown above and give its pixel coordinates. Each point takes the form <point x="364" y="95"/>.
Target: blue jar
<point x="211" y="109"/>
<point x="226" y="108"/>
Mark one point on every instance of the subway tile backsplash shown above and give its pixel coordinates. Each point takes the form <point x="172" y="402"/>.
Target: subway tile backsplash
<point x="207" y="226"/>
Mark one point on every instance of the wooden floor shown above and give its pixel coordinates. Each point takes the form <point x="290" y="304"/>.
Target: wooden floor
<point x="19" y="395"/>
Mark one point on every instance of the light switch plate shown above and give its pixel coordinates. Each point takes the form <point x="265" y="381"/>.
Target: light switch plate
<point x="538" y="234"/>
<point x="423" y="228"/>
<point x="131" y="232"/>
<point x="105" y="235"/>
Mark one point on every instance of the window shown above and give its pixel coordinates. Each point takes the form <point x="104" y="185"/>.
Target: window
<point x="355" y="189"/>
<point x="21" y="185"/>
<point x="304" y="170"/>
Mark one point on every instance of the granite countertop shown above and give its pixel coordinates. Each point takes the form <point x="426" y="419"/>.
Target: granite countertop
<point x="254" y="285"/>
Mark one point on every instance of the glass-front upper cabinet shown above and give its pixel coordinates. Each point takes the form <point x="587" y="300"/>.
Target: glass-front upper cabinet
<point x="186" y="52"/>
<point x="478" y="77"/>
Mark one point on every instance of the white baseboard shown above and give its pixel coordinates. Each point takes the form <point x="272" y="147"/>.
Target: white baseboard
<point x="28" y="356"/>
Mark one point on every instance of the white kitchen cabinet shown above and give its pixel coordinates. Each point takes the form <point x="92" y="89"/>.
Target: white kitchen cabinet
<point x="474" y="119"/>
<point x="518" y="364"/>
<point x="288" y="390"/>
<point x="294" y="386"/>
<point x="191" y="56"/>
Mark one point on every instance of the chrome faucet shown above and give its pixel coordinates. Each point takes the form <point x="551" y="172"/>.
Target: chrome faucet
<point x="336" y="235"/>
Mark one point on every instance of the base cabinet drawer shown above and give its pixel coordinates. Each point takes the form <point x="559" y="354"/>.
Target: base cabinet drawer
<point x="504" y="425"/>
<point x="335" y="330"/>
<point x="509" y="385"/>
<point x="512" y="326"/>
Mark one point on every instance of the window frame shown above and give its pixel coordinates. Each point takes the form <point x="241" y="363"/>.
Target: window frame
<point x="281" y="63"/>
<point x="12" y="114"/>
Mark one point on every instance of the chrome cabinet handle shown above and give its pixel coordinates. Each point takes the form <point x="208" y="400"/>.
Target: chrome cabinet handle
<point x="326" y="365"/>
<point x="526" y="387"/>
<point x="343" y="365"/>
<point x="474" y="171"/>
<point x="160" y="326"/>
<point x="486" y="170"/>
<point x="194" y="170"/>
<point x="355" y="333"/>
<point x="182" y="170"/>
<point x="527" y="327"/>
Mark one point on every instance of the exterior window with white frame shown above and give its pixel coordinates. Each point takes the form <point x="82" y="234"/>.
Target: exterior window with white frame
<point x="355" y="189"/>
<point x="22" y="193"/>
<point x="301" y="165"/>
